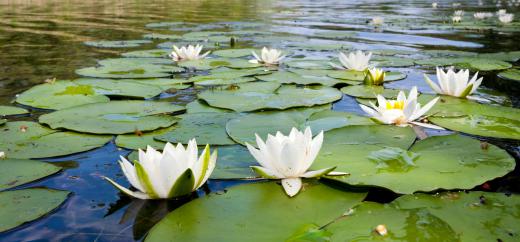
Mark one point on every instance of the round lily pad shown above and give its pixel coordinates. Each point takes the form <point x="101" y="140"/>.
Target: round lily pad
<point x="472" y="63"/>
<point x="360" y="76"/>
<point x="21" y="206"/>
<point x="143" y="71"/>
<point x="249" y="211"/>
<point x="156" y="53"/>
<point x="474" y="118"/>
<point x="475" y="216"/>
<point x="309" y="64"/>
<point x="390" y="61"/>
<point x="400" y="224"/>
<point x="207" y="128"/>
<point x="140" y="140"/>
<point x="23" y="140"/>
<point x="242" y="129"/>
<point x="162" y="36"/>
<point x="261" y="95"/>
<point x="511" y="74"/>
<point x="234" y="53"/>
<point x="200" y="107"/>
<point x="11" y="110"/>
<point x="293" y="78"/>
<point x="363" y="91"/>
<point x="117" y="43"/>
<point x="212" y="63"/>
<point x="16" y="172"/>
<point x="115" y="117"/>
<point x="440" y="162"/>
<point x="3" y="121"/>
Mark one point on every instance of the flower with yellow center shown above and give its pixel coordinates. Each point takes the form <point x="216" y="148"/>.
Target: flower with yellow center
<point x="374" y="76"/>
<point x="401" y="112"/>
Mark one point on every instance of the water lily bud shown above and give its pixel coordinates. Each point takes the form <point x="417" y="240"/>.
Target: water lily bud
<point x="381" y="230"/>
<point x="2" y="155"/>
<point x="374" y="76"/>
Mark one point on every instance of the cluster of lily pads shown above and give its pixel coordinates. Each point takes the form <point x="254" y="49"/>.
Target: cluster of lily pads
<point x="245" y="96"/>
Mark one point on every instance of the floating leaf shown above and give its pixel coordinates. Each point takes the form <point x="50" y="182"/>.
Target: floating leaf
<point x="234" y="53"/>
<point x="475" y="216"/>
<point x="472" y="63"/>
<point x="117" y="43"/>
<point x="249" y="212"/>
<point x="10" y="110"/>
<point x="360" y="76"/>
<point x="443" y="162"/>
<point x="213" y="63"/>
<point x="157" y="53"/>
<point x="139" y="140"/>
<point x="207" y="128"/>
<point x="268" y="95"/>
<point x="162" y="36"/>
<point x="115" y="117"/>
<point x="23" y="140"/>
<point x="293" y="78"/>
<point x="511" y="74"/>
<point x="364" y="91"/>
<point x="309" y="64"/>
<point x="402" y="225"/>
<point x="17" y="172"/>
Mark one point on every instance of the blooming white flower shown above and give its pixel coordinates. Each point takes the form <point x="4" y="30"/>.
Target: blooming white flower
<point x="187" y="53"/>
<point x="377" y="21"/>
<point x="2" y="154"/>
<point x="453" y="83"/>
<point x="356" y="61"/>
<point x="501" y="12"/>
<point x="480" y="15"/>
<point x="174" y="172"/>
<point x="269" y="57"/>
<point x="459" y="13"/>
<point x="288" y="158"/>
<point x="434" y="5"/>
<point x="456" y="19"/>
<point x="506" y="18"/>
<point x="401" y="112"/>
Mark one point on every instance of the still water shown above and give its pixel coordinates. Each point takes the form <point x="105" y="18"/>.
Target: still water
<point x="44" y="39"/>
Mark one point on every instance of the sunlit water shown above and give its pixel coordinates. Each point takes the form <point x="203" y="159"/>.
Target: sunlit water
<point x="44" y="39"/>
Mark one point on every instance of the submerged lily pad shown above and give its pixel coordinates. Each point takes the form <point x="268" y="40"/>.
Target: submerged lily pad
<point x="117" y="43"/>
<point x="115" y="117"/>
<point x="23" y="140"/>
<point x="17" y="172"/>
<point x="268" y="95"/>
<point x="21" y="206"/>
<point x="440" y="162"/>
<point x="364" y="91"/>
<point x="401" y="224"/>
<point x="11" y="110"/>
<point x="207" y="128"/>
<point x="475" y="216"/>
<point x="249" y="211"/>
<point x="474" y="118"/>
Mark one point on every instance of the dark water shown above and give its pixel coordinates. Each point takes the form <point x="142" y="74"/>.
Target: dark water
<point x="43" y="39"/>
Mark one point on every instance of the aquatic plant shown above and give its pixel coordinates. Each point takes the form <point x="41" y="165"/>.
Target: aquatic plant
<point x="189" y="52"/>
<point x="453" y="83"/>
<point x="268" y="57"/>
<point x="374" y="76"/>
<point x="357" y="61"/>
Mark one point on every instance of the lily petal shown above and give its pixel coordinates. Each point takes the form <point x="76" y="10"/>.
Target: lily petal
<point x="292" y="186"/>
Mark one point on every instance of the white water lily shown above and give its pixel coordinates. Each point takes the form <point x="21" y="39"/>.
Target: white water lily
<point x="174" y="172"/>
<point x="506" y="18"/>
<point x="434" y="5"/>
<point x="268" y="57"/>
<point x="482" y="15"/>
<point x="401" y="112"/>
<point x="2" y="154"/>
<point x="377" y="21"/>
<point x="288" y="158"/>
<point x="459" y="13"/>
<point x="456" y="19"/>
<point x="189" y="52"/>
<point x="453" y="83"/>
<point x="501" y="12"/>
<point x="356" y="61"/>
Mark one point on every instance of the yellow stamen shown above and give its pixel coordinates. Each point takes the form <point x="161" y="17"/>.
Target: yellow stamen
<point x="395" y="105"/>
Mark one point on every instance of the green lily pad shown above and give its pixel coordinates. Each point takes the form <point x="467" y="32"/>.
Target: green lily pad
<point x="16" y="172"/>
<point x="363" y="91"/>
<point x="511" y="74"/>
<point x="212" y="63"/>
<point x="162" y="36"/>
<point x="60" y="95"/>
<point x="207" y="128"/>
<point x="440" y="162"/>
<point x="10" y="110"/>
<point x="225" y="74"/>
<point x="214" y="82"/>
<point x="243" y="128"/>
<point x="309" y="64"/>
<point x="474" y="118"/>
<point x="360" y="76"/>
<point x="22" y="206"/>
<point x="132" y="72"/>
<point x="3" y="121"/>
<point x="115" y="117"/>
<point x="117" y="43"/>
<point x="388" y="61"/>
<point x="165" y="64"/>
<point x="234" y="53"/>
<point x="156" y="53"/>
<point x="335" y="34"/>
<point x="328" y="119"/>
<point x="249" y="211"/>
<point x="293" y="78"/>
<point x="318" y="46"/>
<point x="475" y="216"/>
<point x="472" y="63"/>
<point x="401" y="224"/>
<point x="141" y="140"/>
<point x="24" y="140"/>
<point x="200" y="107"/>
<point x="269" y="95"/>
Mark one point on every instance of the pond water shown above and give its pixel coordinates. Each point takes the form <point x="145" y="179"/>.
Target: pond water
<point x="45" y="39"/>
